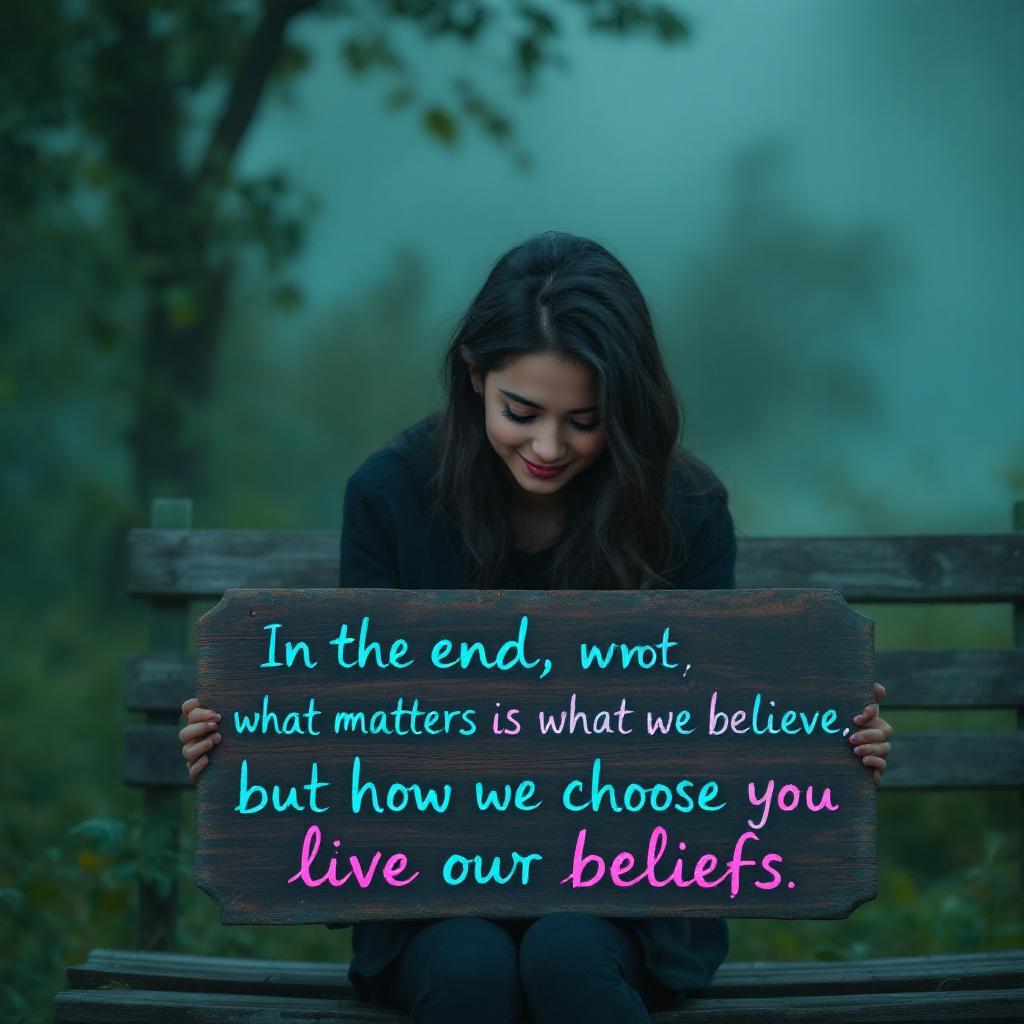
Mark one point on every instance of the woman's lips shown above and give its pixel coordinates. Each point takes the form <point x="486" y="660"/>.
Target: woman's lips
<point x="544" y="472"/>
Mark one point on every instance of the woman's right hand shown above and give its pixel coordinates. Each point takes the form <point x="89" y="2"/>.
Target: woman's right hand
<point x="199" y="737"/>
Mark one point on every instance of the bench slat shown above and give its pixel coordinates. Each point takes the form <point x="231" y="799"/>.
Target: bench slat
<point x="107" y="1006"/>
<point x="159" y="680"/>
<point x="928" y="568"/>
<point x="922" y="760"/>
<point x="983" y="678"/>
<point x="205" y="563"/>
<point x="152" y="756"/>
<point x="181" y="972"/>
<point x="986" y="1005"/>
<point x="961" y="971"/>
<point x="123" y="1006"/>
<point x="959" y="567"/>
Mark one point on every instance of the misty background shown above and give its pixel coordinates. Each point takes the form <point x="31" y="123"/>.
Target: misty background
<point x="821" y="201"/>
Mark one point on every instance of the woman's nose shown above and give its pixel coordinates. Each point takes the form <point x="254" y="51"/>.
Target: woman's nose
<point x="548" y="445"/>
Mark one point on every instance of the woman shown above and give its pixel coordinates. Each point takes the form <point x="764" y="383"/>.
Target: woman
<point x="556" y="465"/>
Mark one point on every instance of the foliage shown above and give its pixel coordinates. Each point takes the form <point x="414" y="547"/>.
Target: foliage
<point x="138" y="109"/>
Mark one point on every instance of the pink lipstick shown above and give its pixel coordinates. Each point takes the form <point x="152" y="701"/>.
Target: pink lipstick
<point x="544" y="472"/>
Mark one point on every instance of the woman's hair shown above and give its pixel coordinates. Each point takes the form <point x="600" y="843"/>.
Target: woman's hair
<point x="571" y="297"/>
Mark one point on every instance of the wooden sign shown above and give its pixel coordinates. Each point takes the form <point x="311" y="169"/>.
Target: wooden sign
<point x="424" y="754"/>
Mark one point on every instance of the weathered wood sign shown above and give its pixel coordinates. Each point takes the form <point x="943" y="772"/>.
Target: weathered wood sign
<point x="412" y="754"/>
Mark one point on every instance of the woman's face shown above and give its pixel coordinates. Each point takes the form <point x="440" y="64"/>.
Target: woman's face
<point x="542" y="419"/>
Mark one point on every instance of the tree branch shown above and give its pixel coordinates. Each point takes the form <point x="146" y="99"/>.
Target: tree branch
<point x="250" y="80"/>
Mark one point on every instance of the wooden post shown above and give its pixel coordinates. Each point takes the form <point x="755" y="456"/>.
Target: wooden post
<point x="1018" y="641"/>
<point x="161" y="805"/>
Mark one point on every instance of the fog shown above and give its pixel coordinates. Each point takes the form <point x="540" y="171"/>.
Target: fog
<point x="848" y="174"/>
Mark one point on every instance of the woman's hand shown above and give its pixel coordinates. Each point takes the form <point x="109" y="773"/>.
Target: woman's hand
<point x="871" y="740"/>
<point x="200" y="736"/>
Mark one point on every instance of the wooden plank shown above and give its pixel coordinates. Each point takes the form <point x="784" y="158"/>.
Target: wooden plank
<point x="123" y="1006"/>
<point x="737" y="659"/>
<point x="927" y="568"/>
<point x="1000" y="969"/>
<point x="318" y="980"/>
<point x="984" y="678"/>
<point x="955" y="760"/>
<point x="986" y="1005"/>
<point x="120" y="1006"/>
<point x="181" y="972"/>
<point x="160" y="681"/>
<point x="964" y="567"/>
<point x="152" y="756"/>
<point x="205" y="563"/>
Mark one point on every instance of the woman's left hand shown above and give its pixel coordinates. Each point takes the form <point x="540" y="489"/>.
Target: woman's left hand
<point x="871" y="740"/>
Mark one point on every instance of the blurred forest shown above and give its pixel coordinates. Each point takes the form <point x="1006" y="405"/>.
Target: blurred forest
<point x="759" y="341"/>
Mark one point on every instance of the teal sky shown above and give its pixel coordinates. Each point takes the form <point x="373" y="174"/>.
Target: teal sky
<point x="905" y="116"/>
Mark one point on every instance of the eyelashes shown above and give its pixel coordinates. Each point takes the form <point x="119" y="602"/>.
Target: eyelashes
<point x="583" y="428"/>
<point x="510" y="415"/>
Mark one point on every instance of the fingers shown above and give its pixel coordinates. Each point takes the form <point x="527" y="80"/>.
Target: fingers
<point x="203" y="727"/>
<point x="197" y="752"/>
<point x="199" y="737"/>
<point x="197" y="766"/>
<point x="869" y="728"/>
<point x="192" y="750"/>
<point x="871" y="736"/>
<point x="871" y="711"/>
<point x="868" y="725"/>
<point x="871" y="740"/>
<point x="877" y="763"/>
<point x="881" y="750"/>
<point x="195" y="712"/>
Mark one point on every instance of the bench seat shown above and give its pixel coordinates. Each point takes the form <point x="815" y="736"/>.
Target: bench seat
<point x="115" y="987"/>
<point x="171" y="565"/>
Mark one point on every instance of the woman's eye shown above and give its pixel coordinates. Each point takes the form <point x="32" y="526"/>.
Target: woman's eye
<point x="586" y="428"/>
<point x="510" y="415"/>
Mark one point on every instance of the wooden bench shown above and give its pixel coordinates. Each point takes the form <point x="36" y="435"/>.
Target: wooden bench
<point x="170" y="565"/>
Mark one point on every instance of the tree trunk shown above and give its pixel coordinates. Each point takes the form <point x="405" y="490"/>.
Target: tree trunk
<point x="180" y="340"/>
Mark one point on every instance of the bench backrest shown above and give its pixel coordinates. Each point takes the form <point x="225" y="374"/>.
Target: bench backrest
<point x="171" y="567"/>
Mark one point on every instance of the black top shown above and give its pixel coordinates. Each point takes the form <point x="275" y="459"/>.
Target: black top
<point x="394" y="536"/>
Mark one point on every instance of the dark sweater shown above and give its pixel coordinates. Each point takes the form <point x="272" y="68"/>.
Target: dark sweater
<point x="393" y="535"/>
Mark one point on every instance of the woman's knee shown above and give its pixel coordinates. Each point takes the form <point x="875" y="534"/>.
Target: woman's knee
<point x="462" y="969"/>
<point x="573" y="944"/>
<point x="576" y="967"/>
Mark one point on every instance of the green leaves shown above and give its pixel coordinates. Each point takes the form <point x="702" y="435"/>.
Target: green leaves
<point x="624" y="16"/>
<point x="532" y="45"/>
<point x="369" y="52"/>
<point x="439" y="123"/>
<point x="138" y="109"/>
<point x="520" y="37"/>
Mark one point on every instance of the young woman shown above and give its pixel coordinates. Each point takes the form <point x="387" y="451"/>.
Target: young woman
<point x="555" y="465"/>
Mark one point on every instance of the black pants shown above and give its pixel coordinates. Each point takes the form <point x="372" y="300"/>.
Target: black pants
<point x="561" y="969"/>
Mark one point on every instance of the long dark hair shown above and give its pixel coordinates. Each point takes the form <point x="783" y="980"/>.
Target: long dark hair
<point x="567" y="295"/>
